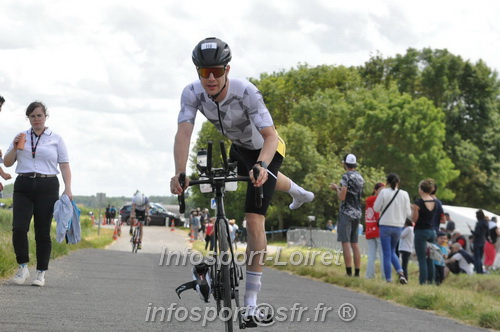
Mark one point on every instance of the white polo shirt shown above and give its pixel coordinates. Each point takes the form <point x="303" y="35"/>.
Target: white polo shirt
<point x="50" y="151"/>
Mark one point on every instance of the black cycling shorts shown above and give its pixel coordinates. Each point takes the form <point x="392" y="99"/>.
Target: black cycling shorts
<point x="246" y="160"/>
<point x="140" y="215"/>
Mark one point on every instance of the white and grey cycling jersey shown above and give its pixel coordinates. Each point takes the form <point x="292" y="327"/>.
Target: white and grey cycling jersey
<point x="239" y="116"/>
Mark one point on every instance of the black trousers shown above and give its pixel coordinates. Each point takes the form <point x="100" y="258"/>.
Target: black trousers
<point x="33" y="198"/>
<point x="439" y="274"/>
<point x="405" y="258"/>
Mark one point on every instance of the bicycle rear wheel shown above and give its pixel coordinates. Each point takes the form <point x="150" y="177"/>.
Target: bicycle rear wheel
<point x="225" y="276"/>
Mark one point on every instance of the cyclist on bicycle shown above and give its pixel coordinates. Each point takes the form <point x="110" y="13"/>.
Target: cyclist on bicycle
<point x="238" y="111"/>
<point x="140" y="212"/>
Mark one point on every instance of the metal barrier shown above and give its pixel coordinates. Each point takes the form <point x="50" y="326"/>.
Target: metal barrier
<point x="318" y="238"/>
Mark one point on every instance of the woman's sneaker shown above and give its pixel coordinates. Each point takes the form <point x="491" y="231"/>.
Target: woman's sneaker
<point x="402" y="279"/>
<point x="39" y="279"/>
<point x="22" y="274"/>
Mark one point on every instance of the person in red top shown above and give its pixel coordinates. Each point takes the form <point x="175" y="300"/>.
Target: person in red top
<point x="372" y="234"/>
<point x="209" y="234"/>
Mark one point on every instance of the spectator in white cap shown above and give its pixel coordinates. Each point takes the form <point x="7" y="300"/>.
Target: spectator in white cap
<point x="349" y="192"/>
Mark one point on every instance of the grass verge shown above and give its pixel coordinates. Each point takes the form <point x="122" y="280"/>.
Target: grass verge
<point x="473" y="300"/>
<point x="8" y="263"/>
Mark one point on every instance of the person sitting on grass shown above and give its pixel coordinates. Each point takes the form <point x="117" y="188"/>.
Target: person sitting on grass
<point x="459" y="262"/>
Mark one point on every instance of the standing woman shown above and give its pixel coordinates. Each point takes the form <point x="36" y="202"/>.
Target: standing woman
<point x="36" y="189"/>
<point x="480" y="233"/>
<point x="424" y="214"/>
<point x="372" y="234"/>
<point x="394" y="207"/>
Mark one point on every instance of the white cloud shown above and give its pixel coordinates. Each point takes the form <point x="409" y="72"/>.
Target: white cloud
<point x="111" y="71"/>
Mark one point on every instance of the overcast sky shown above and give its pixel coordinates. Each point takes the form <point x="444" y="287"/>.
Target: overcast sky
<point x="111" y="71"/>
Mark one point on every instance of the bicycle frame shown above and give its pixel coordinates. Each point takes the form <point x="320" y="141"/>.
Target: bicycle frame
<point x="225" y="273"/>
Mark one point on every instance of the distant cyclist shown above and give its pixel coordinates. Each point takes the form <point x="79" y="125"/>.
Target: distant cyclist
<point x="140" y="211"/>
<point x="236" y="108"/>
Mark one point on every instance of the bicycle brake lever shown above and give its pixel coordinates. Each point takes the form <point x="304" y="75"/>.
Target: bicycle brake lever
<point x="259" y="192"/>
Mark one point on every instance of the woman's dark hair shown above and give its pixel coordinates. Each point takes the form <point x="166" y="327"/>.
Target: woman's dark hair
<point x="427" y="186"/>
<point x="393" y="180"/>
<point x="378" y="185"/>
<point x="479" y="214"/>
<point x="35" y="104"/>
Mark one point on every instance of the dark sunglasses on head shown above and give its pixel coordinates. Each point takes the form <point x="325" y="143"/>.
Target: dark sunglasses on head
<point x="217" y="72"/>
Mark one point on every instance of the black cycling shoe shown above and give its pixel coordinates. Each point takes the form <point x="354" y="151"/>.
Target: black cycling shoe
<point x="257" y="320"/>
<point x="201" y="282"/>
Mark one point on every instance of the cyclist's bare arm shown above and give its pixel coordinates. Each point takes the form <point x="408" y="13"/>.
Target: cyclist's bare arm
<point x="132" y="212"/>
<point x="181" y="154"/>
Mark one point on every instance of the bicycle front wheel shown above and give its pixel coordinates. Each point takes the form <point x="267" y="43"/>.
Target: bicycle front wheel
<point x="135" y="240"/>
<point x="225" y="276"/>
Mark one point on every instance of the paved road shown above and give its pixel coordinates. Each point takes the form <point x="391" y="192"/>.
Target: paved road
<point x="115" y="290"/>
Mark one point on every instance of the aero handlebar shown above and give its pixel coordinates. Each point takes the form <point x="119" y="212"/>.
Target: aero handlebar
<point x="211" y="177"/>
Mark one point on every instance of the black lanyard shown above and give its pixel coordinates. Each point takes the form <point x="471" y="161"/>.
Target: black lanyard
<point x="34" y="146"/>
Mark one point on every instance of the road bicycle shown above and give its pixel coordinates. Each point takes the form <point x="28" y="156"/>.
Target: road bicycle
<point x="225" y="274"/>
<point x="136" y="235"/>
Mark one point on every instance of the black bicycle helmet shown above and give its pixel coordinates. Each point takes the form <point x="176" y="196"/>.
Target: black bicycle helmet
<point x="211" y="52"/>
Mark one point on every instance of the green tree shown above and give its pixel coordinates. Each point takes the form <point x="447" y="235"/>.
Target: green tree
<point x="283" y="90"/>
<point x="405" y="136"/>
<point x="468" y="94"/>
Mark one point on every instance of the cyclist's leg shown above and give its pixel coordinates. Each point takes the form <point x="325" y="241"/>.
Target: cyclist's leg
<point x="256" y="251"/>
<point x="299" y="194"/>
<point x="141" y="217"/>
<point x="256" y="243"/>
<point x="141" y="231"/>
<point x="132" y="222"/>
<point x="247" y="158"/>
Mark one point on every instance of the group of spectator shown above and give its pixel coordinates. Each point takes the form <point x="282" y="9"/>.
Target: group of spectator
<point x="110" y="214"/>
<point x="395" y="227"/>
<point x="202" y="227"/>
